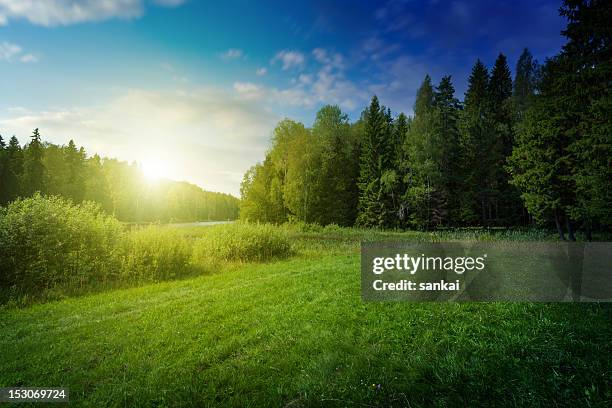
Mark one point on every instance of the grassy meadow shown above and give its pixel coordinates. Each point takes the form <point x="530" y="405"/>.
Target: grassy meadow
<point x="290" y="329"/>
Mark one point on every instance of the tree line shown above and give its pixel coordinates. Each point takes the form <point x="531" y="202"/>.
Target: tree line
<point x="118" y="187"/>
<point x="514" y="152"/>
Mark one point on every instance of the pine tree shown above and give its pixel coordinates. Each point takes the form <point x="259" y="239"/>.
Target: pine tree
<point x="402" y="168"/>
<point x="541" y="163"/>
<point x="13" y="171"/>
<point x="505" y="204"/>
<point x="588" y="51"/>
<point x="374" y="168"/>
<point x="425" y="192"/>
<point x="3" y="170"/>
<point x="476" y="142"/>
<point x="33" y="178"/>
<point x="448" y="108"/>
<point x="75" y="162"/>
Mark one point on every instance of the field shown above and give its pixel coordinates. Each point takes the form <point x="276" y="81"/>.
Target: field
<point x="294" y="332"/>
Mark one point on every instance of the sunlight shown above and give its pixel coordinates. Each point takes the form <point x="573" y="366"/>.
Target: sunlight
<point x="155" y="169"/>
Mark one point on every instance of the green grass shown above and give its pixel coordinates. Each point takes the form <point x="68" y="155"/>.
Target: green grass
<point x="296" y="333"/>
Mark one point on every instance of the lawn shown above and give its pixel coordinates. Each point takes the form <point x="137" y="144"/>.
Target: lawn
<point x="296" y="333"/>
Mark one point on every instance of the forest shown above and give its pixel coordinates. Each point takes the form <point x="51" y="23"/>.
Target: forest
<point x="120" y="188"/>
<point x="531" y="150"/>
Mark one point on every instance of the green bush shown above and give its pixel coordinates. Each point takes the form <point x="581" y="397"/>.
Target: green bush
<point x="48" y="242"/>
<point x="242" y="242"/>
<point x="155" y="253"/>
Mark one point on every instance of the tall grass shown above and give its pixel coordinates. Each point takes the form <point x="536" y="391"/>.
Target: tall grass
<point x="153" y="254"/>
<point x="242" y="242"/>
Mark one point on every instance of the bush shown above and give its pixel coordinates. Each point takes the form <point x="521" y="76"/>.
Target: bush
<point x="48" y="242"/>
<point x="155" y="253"/>
<point x="242" y="242"/>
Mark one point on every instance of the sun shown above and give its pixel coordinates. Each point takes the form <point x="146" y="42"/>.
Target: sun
<point x="154" y="169"/>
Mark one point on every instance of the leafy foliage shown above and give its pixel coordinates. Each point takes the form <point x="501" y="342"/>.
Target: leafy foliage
<point x="49" y="242"/>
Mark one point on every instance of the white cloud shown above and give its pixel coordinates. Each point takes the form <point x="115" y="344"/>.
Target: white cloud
<point x="289" y="59"/>
<point x="63" y="12"/>
<point x="261" y="71"/>
<point x="208" y="136"/>
<point x="10" y="52"/>
<point x="249" y="90"/>
<point x="28" y="58"/>
<point x="232" y="53"/>
<point x="322" y="56"/>
<point x="325" y="85"/>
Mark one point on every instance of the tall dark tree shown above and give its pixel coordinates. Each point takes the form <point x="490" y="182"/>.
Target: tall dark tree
<point x="448" y="109"/>
<point x="588" y="52"/>
<point x="542" y="164"/>
<point x="374" y="168"/>
<point x="402" y="168"/>
<point x="505" y="203"/>
<point x="476" y="142"/>
<point x="3" y="170"/>
<point x="426" y="188"/>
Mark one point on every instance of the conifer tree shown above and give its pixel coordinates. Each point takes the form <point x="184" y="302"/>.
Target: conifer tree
<point x="505" y="204"/>
<point x="476" y="142"/>
<point x="374" y="166"/>
<point x="33" y="178"/>
<point x="13" y="171"/>
<point x="425" y="192"/>
<point x="448" y="109"/>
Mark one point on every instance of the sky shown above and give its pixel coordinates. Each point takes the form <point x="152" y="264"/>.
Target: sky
<point x="196" y="87"/>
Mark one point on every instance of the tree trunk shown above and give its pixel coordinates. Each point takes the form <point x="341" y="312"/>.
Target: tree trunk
<point x="559" y="226"/>
<point x="570" y="230"/>
<point x="589" y="233"/>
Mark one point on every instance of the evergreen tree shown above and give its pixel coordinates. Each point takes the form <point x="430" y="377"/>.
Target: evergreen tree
<point x="505" y="203"/>
<point x="375" y="168"/>
<point x="3" y="170"/>
<point x="588" y="52"/>
<point x="75" y="177"/>
<point x="33" y="178"/>
<point x="14" y="170"/>
<point x="402" y="165"/>
<point x="426" y="187"/>
<point x="448" y="109"/>
<point x="541" y="163"/>
<point x="476" y="142"/>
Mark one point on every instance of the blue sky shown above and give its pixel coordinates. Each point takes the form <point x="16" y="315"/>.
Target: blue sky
<point x="197" y="86"/>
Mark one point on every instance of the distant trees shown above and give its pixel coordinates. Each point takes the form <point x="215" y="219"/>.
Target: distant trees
<point x="117" y="186"/>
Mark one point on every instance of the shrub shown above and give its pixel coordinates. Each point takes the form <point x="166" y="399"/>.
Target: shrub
<point x="48" y="241"/>
<point x="155" y="253"/>
<point x="242" y="242"/>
